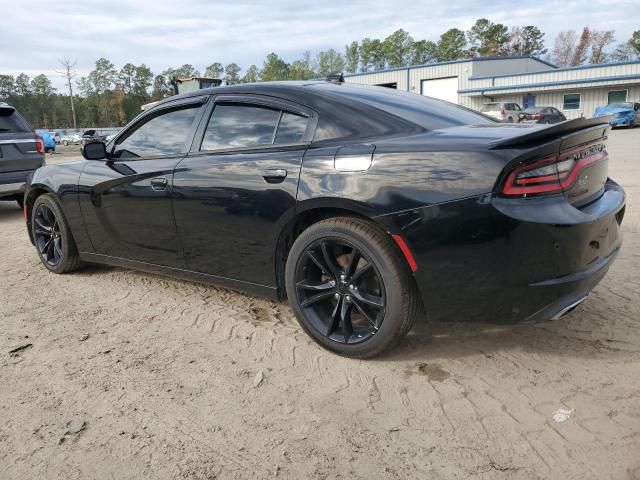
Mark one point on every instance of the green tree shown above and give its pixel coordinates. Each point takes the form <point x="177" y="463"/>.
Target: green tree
<point x="274" y="68"/>
<point x="634" y="42"/>
<point x="6" y="86"/>
<point x="352" y="57"/>
<point x="232" y="74"/>
<point x="423" y="51"/>
<point x="451" y="45"/>
<point x="397" y="48"/>
<point x="371" y="55"/>
<point x="303" y="68"/>
<point x="214" y="70"/>
<point x="526" y="41"/>
<point x="330" y="62"/>
<point x="487" y="38"/>
<point x="125" y="77"/>
<point x="252" y="75"/>
<point x="142" y="81"/>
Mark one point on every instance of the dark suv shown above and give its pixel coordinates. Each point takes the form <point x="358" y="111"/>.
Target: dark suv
<point x="21" y="152"/>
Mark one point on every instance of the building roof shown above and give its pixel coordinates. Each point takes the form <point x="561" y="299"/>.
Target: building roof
<point x="462" y="60"/>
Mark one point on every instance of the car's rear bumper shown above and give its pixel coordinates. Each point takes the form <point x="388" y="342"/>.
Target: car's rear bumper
<point x="496" y="260"/>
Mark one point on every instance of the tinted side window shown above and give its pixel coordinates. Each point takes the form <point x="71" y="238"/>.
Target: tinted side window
<point x="165" y="134"/>
<point x="291" y="128"/>
<point x="236" y="126"/>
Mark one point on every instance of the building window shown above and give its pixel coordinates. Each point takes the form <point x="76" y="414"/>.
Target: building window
<point x="571" y="101"/>
<point x="617" y="96"/>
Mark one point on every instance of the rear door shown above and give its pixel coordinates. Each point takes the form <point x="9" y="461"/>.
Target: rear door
<point x="18" y="154"/>
<point x="237" y="187"/>
<point x="126" y="201"/>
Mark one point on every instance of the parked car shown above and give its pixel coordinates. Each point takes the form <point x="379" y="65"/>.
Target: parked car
<point x="72" y="139"/>
<point x="91" y="136"/>
<point x="541" y="115"/>
<point x="502" y="111"/>
<point x="49" y="142"/>
<point x="624" y="113"/>
<point x="21" y="152"/>
<point x="359" y="204"/>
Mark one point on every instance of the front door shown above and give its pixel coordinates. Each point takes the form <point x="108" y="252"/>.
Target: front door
<point x="237" y="188"/>
<point x="126" y="201"/>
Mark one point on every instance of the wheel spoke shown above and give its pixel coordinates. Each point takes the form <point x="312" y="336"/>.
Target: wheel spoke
<point x="42" y="226"/>
<point x="345" y="319"/>
<point x="57" y="248"/>
<point x="354" y="259"/>
<point x="329" y="260"/>
<point x="50" y="249"/>
<point x="365" y="298"/>
<point x="45" y="246"/>
<point x="316" y="286"/>
<point x="316" y="298"/>
<point x="319" y="262"/>
<point x="362" y="309"/>
<point x="359" y="273"/>
<point x="334" y="319"/>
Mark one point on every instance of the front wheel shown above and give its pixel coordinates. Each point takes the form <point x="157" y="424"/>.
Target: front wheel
<point x="350" y="288"/>
<point x="52" y="237"/>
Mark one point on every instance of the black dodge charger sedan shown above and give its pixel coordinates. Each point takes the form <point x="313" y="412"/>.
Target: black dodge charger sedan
<point x="361" y="205"/>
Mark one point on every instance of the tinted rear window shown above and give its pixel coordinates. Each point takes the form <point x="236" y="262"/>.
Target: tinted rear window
<point x="428" y="113"/>
<point x="291" y="128"/>
<point x="511" y="106"/>
<point x="12" y="121"/>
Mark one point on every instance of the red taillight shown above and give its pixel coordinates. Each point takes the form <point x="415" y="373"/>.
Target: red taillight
<point x="501" y="110"/>
<point x="535" y="115"/>
<point x="552" y="174"/>
<point x="39" y="144"/>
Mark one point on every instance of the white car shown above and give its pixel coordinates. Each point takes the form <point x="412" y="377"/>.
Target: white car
<point x="507" y="112"/>
<point x="73" y="139"/>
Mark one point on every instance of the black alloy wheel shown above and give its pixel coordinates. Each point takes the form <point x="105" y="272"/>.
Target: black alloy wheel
<point x="47" y="235"/>
<point x="51" y="235"/>
<point x="350" y="287"/>
<point x="341" y="291"/>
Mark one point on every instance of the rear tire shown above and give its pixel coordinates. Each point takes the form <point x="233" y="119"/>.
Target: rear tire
<point x="52" y="237"/>
<point x="350" y="288"/>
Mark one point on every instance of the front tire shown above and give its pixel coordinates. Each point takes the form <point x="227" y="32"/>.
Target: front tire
<point x="52" y="237"/>
<point x="350" y="288"/>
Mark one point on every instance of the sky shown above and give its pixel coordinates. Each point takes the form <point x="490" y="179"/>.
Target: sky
<point x="162" y="34"/>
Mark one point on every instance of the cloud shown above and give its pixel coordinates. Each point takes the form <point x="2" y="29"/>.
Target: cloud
<point x="200" y="32"/>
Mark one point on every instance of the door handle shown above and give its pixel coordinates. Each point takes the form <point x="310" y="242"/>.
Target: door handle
<point x="275" y="175"/>
<point x="158" y="184"/>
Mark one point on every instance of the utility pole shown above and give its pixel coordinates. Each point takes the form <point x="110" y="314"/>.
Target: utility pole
<point x="69" y="73"/>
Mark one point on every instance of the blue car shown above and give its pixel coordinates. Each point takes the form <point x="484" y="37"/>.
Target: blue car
<point x="49" y="142"/>
<point x="624" y="113"/>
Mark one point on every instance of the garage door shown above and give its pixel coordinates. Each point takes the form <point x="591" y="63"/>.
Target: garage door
<point x="442" y="88"/>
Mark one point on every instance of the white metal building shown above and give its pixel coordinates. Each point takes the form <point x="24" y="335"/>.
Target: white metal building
<point x="528" y="81"/>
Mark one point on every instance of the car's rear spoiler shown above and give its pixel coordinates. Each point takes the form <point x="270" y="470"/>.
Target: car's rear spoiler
<point x="548" y="133"/>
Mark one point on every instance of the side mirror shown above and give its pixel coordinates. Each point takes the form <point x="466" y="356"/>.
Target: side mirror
<point x="95" y="151"/>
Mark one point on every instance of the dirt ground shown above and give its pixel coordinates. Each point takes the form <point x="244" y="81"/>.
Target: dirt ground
<point x="125" y="375"/>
